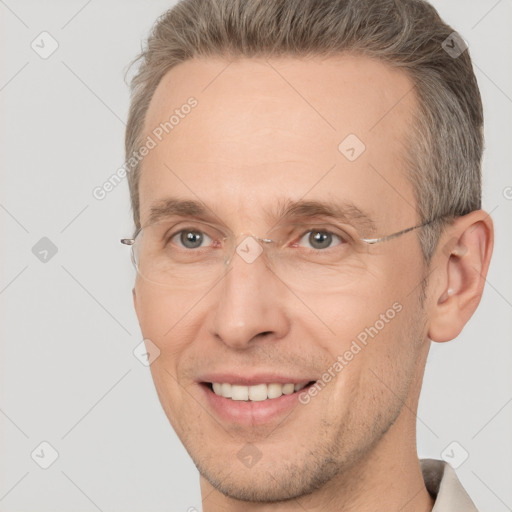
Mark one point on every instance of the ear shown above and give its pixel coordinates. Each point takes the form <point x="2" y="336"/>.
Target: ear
<point x="462" y="260"/>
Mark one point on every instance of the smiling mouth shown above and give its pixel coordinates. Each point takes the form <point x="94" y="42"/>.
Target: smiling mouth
<point x="257" y="392"/>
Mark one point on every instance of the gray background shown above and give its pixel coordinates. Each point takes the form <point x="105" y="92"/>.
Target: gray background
<point x="68" y="374"/>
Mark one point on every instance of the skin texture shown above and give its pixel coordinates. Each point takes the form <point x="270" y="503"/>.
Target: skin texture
<point x="264" y="131"/>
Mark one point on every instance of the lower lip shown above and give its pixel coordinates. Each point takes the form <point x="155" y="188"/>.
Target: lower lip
<point x="249" y="413"/>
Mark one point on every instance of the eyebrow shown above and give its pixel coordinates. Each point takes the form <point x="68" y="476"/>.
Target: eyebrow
<point x="286" y="209"/>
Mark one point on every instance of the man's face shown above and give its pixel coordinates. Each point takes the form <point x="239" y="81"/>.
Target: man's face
<point x="264" y="134"/>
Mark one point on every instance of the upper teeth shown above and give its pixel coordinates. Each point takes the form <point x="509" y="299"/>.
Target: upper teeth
<point x="256" y="393"/>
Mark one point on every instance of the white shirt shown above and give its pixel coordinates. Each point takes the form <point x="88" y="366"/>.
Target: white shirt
<point x="444" y="486"/>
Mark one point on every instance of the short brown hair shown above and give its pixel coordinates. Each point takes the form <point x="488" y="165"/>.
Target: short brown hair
<point x="445" y="149"/>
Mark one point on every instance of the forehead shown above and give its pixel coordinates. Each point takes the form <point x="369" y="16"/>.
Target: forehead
<point x="263" y="127"/>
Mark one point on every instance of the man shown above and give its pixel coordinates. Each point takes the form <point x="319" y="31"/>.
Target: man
<point x="305" y="187"/>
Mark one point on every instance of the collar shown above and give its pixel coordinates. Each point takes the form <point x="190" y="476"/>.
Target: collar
<point x="444" y="486"/>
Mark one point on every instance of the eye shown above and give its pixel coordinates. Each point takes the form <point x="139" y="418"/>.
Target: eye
<point x="321" y="239"/>
<point x="190" y="238"/>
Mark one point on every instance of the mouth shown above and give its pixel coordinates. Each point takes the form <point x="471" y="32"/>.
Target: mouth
<point x="254" y="399"/>
<point x="256" y="393"/>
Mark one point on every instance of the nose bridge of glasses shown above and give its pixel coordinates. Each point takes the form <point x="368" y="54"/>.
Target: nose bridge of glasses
<point x="247" y="246"/>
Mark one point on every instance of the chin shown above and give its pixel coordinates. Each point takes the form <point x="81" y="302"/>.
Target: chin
<point x="268" y="481"/>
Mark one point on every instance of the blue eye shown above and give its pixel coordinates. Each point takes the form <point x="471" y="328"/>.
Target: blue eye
<point x="321" y="239"/>
<point x="191" y="238"/>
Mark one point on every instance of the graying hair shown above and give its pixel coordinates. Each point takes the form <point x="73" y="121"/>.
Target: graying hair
<point x="445" y="149"/>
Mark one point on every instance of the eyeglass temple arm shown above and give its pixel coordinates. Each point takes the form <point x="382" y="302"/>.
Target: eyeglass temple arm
<point x="395" y="235"/>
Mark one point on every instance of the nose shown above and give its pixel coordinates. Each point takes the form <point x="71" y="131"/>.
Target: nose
<point x="251" y="301"/>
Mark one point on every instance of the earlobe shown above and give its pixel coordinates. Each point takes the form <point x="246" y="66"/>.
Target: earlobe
<point x="463" y="269"/>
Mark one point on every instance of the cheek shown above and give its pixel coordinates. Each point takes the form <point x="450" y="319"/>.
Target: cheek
<point x="377" y="369"/>
<point x="160" y="318"/>
<point x="163" y="320"/>
<point x="360" y="313"/>
<point x="158" y="310"/>
<point x="377" y="330"/>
